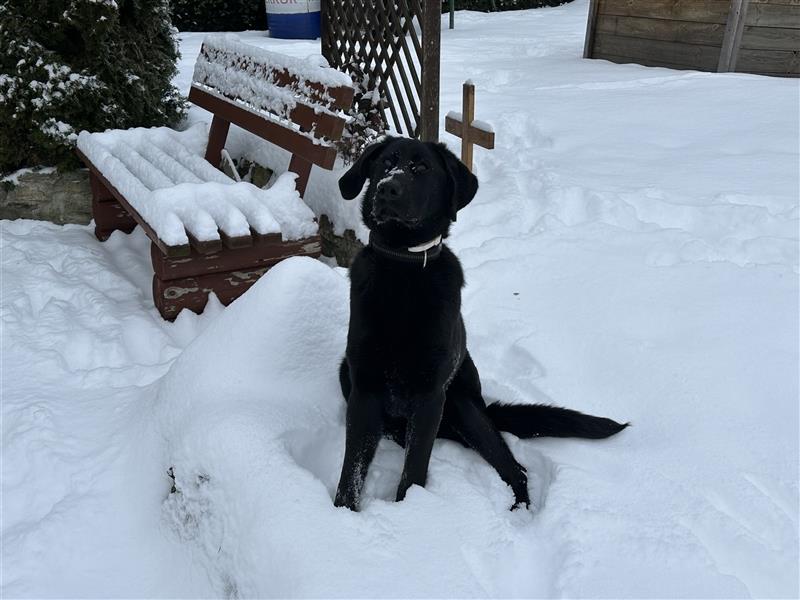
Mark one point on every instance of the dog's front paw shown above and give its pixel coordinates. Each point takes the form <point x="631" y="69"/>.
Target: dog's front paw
<point x="521" y="497"/>
<point x="348" y="500"/>
<point x="521" y="504"/>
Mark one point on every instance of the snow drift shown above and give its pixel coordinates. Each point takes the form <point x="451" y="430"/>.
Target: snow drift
<point x="632" y="252"/>
<point x="254" y="423"/>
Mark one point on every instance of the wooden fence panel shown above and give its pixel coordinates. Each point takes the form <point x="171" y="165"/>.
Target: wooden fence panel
<point x="769" y="62"/>
<point x="773" y="14"/>
<point x="686" y="32"/>
<point x="771" y="39"/>
<point x="397" y="43"/>
<point x="696" y="56"/>
<point x="754" y="36"/>
<point x="701" y="11"/>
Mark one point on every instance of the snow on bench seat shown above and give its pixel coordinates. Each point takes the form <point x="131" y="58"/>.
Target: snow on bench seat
<point x="164" y="177"/>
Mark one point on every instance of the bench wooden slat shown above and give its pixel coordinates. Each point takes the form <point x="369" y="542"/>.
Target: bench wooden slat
<point x="149" y="174"/>
<point x="204" y="246"/>
<point x="152" y="151"/>
<point x="234" y="242"/>
<point x="320" y="125"/>
<point x="322" y="155"/>
<point x="193" y="165"/>
<point x="170" y="251"/>
<point x="331" y="97"/>
<point x="342" y="96"/>
<point x="266" y="250"/>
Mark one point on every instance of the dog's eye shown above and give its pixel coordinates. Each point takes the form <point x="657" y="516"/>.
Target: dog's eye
<point x="419" y="168"/>
<point x="388" y="162"/>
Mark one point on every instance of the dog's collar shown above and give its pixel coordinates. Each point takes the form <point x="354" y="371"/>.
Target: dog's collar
<point x="419" y="254"/>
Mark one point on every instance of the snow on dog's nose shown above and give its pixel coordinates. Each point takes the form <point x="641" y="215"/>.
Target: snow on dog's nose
<point x="388" y="203"/>
<point x="389" y="188"/>
<point x="391" y="180"/>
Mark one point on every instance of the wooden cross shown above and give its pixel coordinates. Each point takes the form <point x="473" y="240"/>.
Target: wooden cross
<point x="475" y="132"/>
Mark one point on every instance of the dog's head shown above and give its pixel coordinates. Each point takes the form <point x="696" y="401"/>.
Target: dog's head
<point x="415" y="189"/>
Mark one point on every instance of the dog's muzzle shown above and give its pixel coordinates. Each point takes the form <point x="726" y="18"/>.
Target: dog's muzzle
<point x="389" y="205"/>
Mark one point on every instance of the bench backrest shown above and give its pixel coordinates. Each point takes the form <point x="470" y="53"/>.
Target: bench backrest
<point x="294" y="104"/>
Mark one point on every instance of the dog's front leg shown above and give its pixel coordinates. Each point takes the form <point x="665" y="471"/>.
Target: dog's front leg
<point x="364" y="427"/>
<point x="420" y="435"/>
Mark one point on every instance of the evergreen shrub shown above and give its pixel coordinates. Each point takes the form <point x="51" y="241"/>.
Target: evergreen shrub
<point x="69" y="65"/>
<point x="218" y="15"/>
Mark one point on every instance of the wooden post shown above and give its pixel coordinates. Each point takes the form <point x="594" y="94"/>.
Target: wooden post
<point x="591" y="23"/>
<point x="326" y="40"/>
<point x="452" y="14"/>
<point x="463" y="127"/>
<point x="429" y="101"/>
<point x="467" y="117"/>
<point x="323" y="33"/>
<point x="734" y="29"/>
<point x="109" y="216"/>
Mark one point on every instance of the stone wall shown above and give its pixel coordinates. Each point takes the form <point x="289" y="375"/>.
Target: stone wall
<point x="341" y="247"/>
<point x="57" y="197"/>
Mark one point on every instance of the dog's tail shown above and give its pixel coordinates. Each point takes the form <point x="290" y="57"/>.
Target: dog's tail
<point x="532" y="420"/>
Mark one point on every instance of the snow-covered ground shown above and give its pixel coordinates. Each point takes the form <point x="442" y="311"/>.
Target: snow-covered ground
<point x="632" y="252"/>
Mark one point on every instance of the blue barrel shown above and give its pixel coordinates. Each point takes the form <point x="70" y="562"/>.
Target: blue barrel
<point x="293" y="19"/>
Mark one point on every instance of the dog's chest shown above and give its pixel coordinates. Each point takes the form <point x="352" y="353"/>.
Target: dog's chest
<point x="399" y="399"/>
<point x="402" y="317"/>
<point x="408" y="332"/>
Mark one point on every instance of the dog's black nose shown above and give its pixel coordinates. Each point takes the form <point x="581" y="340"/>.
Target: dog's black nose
<point x="389" y="189"/>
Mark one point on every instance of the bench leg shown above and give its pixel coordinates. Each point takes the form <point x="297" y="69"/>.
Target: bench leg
<point x="302" y="167"/>
<point x="171" y="297"/>
<point x="109" y="215"/>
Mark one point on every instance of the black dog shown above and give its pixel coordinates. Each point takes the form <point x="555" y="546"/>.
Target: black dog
<point x="407" y="373"/>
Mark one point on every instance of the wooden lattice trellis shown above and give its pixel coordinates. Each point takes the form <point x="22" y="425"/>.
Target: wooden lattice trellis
<point x="397" y="42"/>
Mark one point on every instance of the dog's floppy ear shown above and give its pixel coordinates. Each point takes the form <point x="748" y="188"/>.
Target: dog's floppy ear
<point x="464" y="183"/>
<point x="350" y="183"/>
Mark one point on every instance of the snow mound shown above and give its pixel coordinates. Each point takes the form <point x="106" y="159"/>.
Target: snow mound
<point x="254" y="423"/>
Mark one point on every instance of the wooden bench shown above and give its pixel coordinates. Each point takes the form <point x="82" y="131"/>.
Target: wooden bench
<point x="210" y="233"/>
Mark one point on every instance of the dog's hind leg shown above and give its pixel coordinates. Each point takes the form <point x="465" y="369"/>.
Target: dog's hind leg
<point x="362" y="436"/>
<point x="344" y="378"/>
<point x="465" y="413"/>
